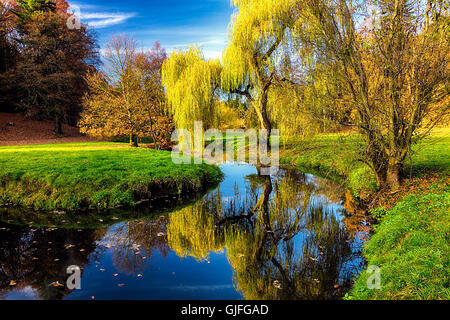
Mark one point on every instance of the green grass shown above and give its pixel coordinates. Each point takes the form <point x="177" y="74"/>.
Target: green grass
<point x="334" y="156"/>
<point x="337" y="156"/>
<point x="411" y="241"/>
<point x="411" y="247"/>
<point x="94" y="175"/>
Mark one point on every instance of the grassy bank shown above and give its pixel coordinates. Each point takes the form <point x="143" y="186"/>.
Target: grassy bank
<point x="411" y="240"/>
<point x="94" y="175"/>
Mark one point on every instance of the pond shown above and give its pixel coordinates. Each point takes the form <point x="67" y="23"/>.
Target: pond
<point x="287" y="236"/>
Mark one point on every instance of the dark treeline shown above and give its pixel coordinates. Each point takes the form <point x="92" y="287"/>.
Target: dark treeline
<point x="44" y="60"/>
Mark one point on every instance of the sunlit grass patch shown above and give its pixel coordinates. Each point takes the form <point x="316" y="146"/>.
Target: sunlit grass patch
<point x="94" y="175"/>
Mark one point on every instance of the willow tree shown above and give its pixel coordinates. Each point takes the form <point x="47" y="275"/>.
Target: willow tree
<point x="190" y="82"/>
<point x="391" y="69"/>
<point x="251" y="62"/>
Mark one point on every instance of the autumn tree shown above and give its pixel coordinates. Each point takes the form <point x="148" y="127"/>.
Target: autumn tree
<point x="52" y="62"/>
<point x="126" y="98"/>
<point x="51" y="67"/>
<point x="391" y="69"/>
<point x="113" y="107"/>
<point x="26" y="10"/>
<point x="149" y="71"/>
<point x="8" y="55"/>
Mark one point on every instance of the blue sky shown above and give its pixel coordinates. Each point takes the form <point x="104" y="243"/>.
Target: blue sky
<point x="176" y="24"/>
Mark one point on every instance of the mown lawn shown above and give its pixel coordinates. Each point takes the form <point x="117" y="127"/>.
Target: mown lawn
<point x="411" y="242"/>
<point x="94" y="175"/>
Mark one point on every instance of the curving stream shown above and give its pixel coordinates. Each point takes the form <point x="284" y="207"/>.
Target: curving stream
<point x="287" y="236"/>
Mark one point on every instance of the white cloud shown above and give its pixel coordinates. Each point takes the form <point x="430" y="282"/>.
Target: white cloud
<point x="103" y="20"/>
<point x="96" y="16"/>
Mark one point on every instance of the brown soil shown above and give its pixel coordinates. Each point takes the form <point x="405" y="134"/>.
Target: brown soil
<point x="16" y="129"/>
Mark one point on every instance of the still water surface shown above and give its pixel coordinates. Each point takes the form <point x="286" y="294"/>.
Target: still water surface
<point x="254" y="237"/>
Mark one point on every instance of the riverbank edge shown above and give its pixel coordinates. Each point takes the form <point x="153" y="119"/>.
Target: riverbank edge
<point x="410" y="243"/>
<point x="19" y="191"/>
<point x="159" y="189"/>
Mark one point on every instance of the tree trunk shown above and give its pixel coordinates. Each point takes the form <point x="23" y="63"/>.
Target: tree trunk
<point x="393" y="177"/>
<point x="133" y="141"/>
<point x="58" y="126"/>
<point x="265" y="119"/>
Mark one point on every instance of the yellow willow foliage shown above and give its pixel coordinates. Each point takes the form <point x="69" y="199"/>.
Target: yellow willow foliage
<point x="190" y="82"/>
<point x="286" y="111"/>
<point x="192" y="232"/>
<point x="256" y="26"/>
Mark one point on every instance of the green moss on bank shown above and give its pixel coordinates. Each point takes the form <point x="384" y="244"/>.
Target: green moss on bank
<point x="94" y="175"/>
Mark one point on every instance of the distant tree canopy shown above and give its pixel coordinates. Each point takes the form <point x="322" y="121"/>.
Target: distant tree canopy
<point x="126" y="98"/>
<point x="27" y="9"/>
<point x="44" y="62"/>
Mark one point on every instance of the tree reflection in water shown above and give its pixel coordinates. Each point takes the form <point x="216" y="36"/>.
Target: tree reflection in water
<point x="35" y="259"/>
<point x="136" y="242"/>
<point x="283" y="239"/>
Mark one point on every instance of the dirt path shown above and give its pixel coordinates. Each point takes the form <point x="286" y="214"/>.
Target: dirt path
<point x="16" y="129"/>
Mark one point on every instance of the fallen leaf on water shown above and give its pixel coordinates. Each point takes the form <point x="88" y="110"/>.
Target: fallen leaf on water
<point x="336" y="286"/>
<point x="139" y="275"/>
<point x="12" y="283"/>
<point x="82" y="250"/>
<point x="115" y="218"/>
<point x="160" y="234"/>
<point x="102" y="269"/>
<point x="121" y="285"/>
<point x="101" y="220"/>
<point x="34" y="258"/>
<point x="277" y="284"/>
<point x="56" y="284"/>
<point x="92" y="297"/>
<point x="56" y="260"/>
<point x="115" y="274"/>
